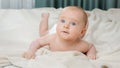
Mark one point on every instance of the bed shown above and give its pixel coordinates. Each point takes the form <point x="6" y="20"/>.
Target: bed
<point x="19" y="27"/>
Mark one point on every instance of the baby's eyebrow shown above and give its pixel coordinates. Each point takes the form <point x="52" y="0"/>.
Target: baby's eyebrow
<point x="73" y="20"/>
<point x="62" y="17"/>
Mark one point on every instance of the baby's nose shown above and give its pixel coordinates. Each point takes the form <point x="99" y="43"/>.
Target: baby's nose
<point x="66" y="25"/>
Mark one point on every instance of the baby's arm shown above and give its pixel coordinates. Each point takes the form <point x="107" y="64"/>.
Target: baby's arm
<point x="35" y="45"/>
<point x="43" y="27"/>
<point x="91" y="52"/>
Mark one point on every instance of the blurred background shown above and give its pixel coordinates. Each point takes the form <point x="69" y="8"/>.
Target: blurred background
<point x="85" y="4"/>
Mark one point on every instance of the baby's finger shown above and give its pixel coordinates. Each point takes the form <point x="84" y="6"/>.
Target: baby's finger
<point x="93" y="57"/>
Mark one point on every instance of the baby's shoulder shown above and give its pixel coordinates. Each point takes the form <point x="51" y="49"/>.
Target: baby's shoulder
<point x="87" y="43"/>
<point x="83" y="46"/>
<point x="52" y="37"/>
<point x="84" y="42"/>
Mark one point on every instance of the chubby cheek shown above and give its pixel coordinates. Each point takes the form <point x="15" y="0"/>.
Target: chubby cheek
<point x="75" y="33"/>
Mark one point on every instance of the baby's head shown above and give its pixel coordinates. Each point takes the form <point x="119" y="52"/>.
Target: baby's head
<point x="72" y="23"/>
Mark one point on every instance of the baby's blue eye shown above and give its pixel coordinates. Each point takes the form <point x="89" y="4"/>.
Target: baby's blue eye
<point x="63" y="21"/>
<point x="73" y="23"/>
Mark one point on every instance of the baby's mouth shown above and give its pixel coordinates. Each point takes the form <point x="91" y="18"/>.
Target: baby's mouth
<point x="65" y="32"/>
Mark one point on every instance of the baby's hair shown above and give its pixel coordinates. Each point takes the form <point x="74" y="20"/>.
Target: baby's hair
<point x="85" y="18"/>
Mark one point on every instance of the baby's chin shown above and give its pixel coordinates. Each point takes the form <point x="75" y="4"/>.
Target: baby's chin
<point x="67" y="38"/>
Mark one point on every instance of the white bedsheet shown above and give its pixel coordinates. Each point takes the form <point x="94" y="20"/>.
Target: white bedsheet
<point x="19" y="27"/>
<point x="47" y="59"/>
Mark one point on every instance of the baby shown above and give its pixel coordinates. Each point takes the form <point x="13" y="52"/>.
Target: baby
<point x="71" y="27"/>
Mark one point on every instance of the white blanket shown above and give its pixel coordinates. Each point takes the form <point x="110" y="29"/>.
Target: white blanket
<point x="19" y="27"/>
<point x="48" y="59"/>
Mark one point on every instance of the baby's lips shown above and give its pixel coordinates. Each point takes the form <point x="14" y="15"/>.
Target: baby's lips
<point x="65" y="32"/>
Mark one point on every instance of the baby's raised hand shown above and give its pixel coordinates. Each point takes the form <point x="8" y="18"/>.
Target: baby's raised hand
<point x="45" y="15"/>
<point x="29" y="55"/>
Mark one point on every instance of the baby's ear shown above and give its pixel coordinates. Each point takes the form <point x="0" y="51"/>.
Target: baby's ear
<point x="83" y="32"/>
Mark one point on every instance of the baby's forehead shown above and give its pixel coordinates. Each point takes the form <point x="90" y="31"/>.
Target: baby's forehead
<point x="75" y="9"/>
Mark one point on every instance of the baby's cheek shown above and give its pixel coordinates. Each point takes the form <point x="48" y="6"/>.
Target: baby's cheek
<point x="75" y="31"/>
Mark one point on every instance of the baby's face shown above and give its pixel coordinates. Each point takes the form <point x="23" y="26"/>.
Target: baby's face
<point x="70" y="25"/>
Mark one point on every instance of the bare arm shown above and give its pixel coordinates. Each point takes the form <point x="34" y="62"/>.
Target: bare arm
<point x="38" y="43"/>
<point x="43" y="27"/>
<point x="35" y="45"/>
<point x="91" y="52"/>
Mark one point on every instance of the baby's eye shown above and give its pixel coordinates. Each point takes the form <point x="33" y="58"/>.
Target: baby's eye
<point x="63" y="21"/>
<point x="73" y="23"/>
